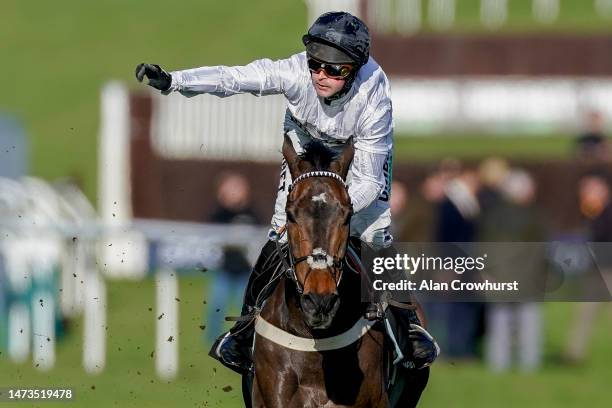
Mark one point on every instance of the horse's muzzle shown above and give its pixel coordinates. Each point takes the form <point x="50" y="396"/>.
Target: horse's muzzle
<point x="319" y="310"/>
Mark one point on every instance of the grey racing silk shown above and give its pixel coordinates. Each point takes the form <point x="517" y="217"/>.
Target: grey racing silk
<point x="364" y="112"/>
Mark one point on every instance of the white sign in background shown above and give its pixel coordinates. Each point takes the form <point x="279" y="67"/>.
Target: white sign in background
<point x="250" y="128"/>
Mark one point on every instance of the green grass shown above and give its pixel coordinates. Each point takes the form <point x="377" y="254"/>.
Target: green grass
<point x="129" y="379"/>
<point x="471" y="146"/>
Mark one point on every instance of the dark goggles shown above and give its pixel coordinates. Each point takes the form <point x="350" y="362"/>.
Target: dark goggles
<point x="335" y="71"/>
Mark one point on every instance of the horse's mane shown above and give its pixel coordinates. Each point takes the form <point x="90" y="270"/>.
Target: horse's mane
<point x="317" y="154"/>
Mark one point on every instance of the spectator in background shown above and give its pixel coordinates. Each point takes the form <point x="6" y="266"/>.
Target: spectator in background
<point x="459" y="209"/>
<point x="415" y="225"/>
<point x="492" y="173"/>
<point x="508" y="212"/>
<point x="595" y="206"/>
<point x="457" y="324"/>
<point x="513" y="217"/>
<point x="592" y="144"/>
<point x="595" y="202"/>
<point x="233" y="207"/>
<point x="434" y="186"/>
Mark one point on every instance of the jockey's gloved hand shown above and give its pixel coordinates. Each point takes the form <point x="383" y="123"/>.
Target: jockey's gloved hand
<point x="426" y="350"/>
<point x="158" y="78"/>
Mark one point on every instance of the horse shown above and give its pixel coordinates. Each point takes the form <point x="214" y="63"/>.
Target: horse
<point x="313" y="347"/>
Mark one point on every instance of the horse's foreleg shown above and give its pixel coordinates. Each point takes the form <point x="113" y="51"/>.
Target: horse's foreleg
<point x="247" y="390"/>
<point x="273" y="392"/>
<point x="257" y="400"/>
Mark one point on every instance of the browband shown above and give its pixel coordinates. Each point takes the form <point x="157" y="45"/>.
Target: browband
<point x="318" y="173"/>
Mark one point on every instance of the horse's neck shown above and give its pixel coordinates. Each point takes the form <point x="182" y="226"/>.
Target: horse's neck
<point x="282" y="309"/>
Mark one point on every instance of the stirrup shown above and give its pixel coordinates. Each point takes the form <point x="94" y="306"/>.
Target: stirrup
<point x="374" y="311"/>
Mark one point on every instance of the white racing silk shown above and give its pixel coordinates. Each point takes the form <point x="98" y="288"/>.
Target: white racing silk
<point x="364" y="112"/>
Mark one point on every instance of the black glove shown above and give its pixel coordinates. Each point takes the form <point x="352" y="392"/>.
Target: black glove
<point x="158" y="78"/>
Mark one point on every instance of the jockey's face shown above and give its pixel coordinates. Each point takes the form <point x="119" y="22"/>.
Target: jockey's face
<point x="326" y="86"/>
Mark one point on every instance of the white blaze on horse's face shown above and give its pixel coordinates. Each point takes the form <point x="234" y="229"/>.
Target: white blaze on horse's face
<point x="320" y="198"/>
<point x="320" y="263"/>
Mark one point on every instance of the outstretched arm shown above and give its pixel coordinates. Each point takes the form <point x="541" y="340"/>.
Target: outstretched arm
<point x="260" y="77"/>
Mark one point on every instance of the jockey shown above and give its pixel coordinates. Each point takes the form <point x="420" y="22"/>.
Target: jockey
<point x="334" y="90"/>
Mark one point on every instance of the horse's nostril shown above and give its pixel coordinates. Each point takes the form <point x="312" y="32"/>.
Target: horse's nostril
<point x="320" y="304"/>
<point x="333" y="301"/>
<point x="310" y="302"/>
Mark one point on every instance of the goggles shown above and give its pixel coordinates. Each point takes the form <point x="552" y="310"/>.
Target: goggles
<point x="335" y="71"/>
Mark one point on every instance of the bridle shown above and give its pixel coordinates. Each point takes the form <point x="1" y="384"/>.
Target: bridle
<point x="333" y="262"/>
<point x="318" y="173"/>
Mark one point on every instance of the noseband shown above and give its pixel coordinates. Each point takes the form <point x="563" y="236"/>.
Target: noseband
<point x="318" y="258"/>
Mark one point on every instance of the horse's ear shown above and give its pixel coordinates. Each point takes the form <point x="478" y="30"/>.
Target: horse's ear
<point x="291" y="157"/>
<point x="343" y="162"/>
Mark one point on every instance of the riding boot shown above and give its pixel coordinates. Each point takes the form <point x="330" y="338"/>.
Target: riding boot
<point x="414" y="346"/>
<point x="234" y="348"/>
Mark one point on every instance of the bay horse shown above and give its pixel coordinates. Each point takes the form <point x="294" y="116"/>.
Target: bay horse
<point x="312" y="347"/>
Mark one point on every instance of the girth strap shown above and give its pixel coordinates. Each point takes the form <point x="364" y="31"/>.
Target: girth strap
<point x="290" y="341"/>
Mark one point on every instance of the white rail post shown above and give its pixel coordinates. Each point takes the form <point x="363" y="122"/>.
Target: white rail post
<point x="493" y="13"/>
<point x="20" y="283"/>
<point x="44" y="253"/>
<point x="546" y="11"/>
<point x="441" y="14"/>
<point x="94" y="322"/>
<point x="408" y="18"/>
<point x="123" y="252"/>
<point x="166" y="349"/>
<point x="317" y="7"/>
<point x="603" y="7"/>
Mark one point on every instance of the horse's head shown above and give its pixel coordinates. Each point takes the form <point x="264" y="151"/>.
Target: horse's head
<point x="318" y="219"/>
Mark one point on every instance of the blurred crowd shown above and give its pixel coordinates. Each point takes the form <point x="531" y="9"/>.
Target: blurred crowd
<point x="493" y="201"/>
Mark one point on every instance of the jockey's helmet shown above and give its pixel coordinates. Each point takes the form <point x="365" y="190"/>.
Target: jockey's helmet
<point x="340" y="38"/>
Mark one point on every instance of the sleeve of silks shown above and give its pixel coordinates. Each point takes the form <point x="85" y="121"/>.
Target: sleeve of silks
<point x="368" y="178"/>
<point x="372" y="148"/>
<point x="260" y="77"/>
